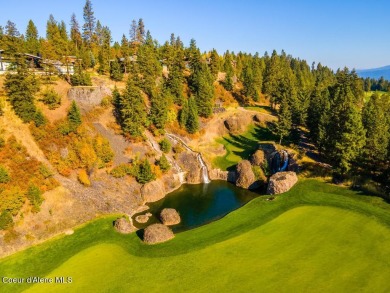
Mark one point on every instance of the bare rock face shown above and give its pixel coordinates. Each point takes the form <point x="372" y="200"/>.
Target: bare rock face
<point x="153" y="191"/>
<point x="157" y="233"/>
<point x="281" y="182"/>
<point x="245" y="177"/>
<point x="258" y="158"/>
<point x="268" y="149"/>
<point x="124" y="226"/>
<point x="218" y="174"/>
<point x="169" y="217"/>
<point x="190" y="164"/>
<point x="292" y="163"/>
<point x="88" y="96"/>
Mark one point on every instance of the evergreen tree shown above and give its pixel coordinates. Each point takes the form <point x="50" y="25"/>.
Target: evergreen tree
<point x="228" y="82"/>
<point x="116" y="71"/>
<point x="6" y="220"/>
<point x="192" y="123"/>
<point x="75" y="34"/>
<point x="164" y="164"/>
<point x="183" y="114"/>
<point x="159" y="109"/>
<point x="89" y="23"/>
<point x="74" y="117"/>
<point x="116" y="101"/>
<point x="145" y="174"/>
<point x="140" y="36"/>
<point x="104" y="50"/>
<point x="133" y="31"/>
<point x="204" y="93"/>
<point x="32" y="42"/>
<point x="132" y="110"/>
<point x="39" y="118"/>
<point x="214" y="63"/>
<point x="377" y="131"/>
<point x="283" y="126"/>
<point x="249" y="89"/>
<point x="12" y="41"/>
<point x="21" y="88"/>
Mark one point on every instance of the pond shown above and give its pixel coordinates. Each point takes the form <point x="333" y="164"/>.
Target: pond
<point x="200" y="204"/>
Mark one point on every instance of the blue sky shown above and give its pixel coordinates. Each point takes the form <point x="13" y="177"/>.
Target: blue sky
<point x="335" y="33"/>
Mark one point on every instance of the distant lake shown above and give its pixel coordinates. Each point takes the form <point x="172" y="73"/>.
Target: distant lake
<point x="200" y="204"/>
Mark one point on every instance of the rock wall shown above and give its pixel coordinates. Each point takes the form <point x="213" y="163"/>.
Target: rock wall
<point x="88" y="96"/>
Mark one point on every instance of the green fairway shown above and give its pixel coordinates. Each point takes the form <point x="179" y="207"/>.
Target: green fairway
<point x="317" y="237"/>
<point x="240" y="147"/>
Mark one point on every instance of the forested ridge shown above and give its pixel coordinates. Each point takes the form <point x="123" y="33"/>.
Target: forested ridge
<point x="171" y="84"/>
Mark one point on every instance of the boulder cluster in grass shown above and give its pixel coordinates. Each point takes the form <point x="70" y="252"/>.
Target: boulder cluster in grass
<point x="281" y="182"/>
<point x="170" y="217"/>
<point x="123" y="225"/>
<point x="157" y="233"/>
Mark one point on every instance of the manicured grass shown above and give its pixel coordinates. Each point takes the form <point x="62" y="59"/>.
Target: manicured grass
<point x="240" y="147"/>
<point x="315" y="238"/>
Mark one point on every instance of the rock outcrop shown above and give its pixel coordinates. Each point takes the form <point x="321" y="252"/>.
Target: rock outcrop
<point x="157" y="233"/>
<point x="88" y="96"/>
<point x="218" y="174"/>
<point x="245" y="177"/>
<point x="124" y="226"/>
<point x="238" y="124"/>
<point x="169" y="217"/>
<point x="281" y="182"/>
<point x="258" y="158"/>
<point x="189" y="163"/>
<point x="268" y="149"/>
<point x="153" y="191"/>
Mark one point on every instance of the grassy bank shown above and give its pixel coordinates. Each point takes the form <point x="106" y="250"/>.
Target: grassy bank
<point x="317" y="237"/>
<point x="240" y="147"/>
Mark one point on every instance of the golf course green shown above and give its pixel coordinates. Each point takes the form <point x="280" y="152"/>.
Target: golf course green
<point x="315" y="238"/>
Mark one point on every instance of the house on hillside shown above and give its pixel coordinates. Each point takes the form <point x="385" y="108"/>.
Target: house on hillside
<point x="4" y="63"/>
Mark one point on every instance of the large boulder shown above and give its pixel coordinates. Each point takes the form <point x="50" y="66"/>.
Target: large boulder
<point x="157" y="233"/>
<point x="238" y="124"/>
<point x="258" y="158"/>
<point x="153" y="191"/>
<point x="281" y="182"/>
<point x="245" y="177"/>
<point x="124" y="226"/>
<point x="169" y="217"/>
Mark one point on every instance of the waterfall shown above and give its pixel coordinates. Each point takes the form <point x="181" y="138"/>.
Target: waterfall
<point x="205" y="172"/>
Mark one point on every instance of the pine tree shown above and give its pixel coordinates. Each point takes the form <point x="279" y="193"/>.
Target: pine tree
<point x="132" y="110"/>
<point x="89" y="23"/>
<point x="183" y="114"/>
<point x="39" y="118"/>
<point x="159" y="109"/>
<point x="21" y="88"/>
<point x="116" y="71"/>
<point x="32" y="42"/>
<point x="377" y="131"/>
<point x="133" y="31"/>
<point x="104" y="50"/>
<point x="145" y="174"/>
<point x="214" y="63"/>
<point x="74" y="117"/>
<point x="164" y="164"/>
<point x="204" y="93"/>
<point x="75" y="34"/>
<point x="192" y="123"/>
<point x="140" y="36"/>
<point x="283" y="126"/>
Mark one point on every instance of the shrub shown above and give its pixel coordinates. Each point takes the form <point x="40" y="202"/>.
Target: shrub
<point x="81" y="79"/>
<point x="122" y="170"/>
<point x="39" y="118"/>
<point x="51" y="98"/>
<point x="165" y="145"/>
<point x="259" y="174"/>
<point x="45" y="171"/>
<point x="84" y="178"/>
<point x="103" y="149"/>
<point x="6" y="220"/>
<point x="34" y="195"/>
<point x="4" y="176"/>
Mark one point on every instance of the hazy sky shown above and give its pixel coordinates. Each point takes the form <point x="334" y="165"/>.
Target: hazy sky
<point x="336" y="33"/>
